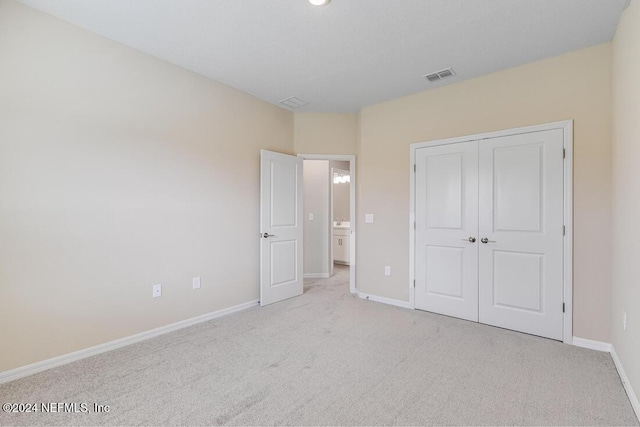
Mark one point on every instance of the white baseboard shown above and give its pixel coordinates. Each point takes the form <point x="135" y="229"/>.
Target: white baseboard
<point x="603" y="346"/>
<point x="625" y="382"/>
<point x="316" y="275"/>
<point x="390" y="301"/>
<point x="591" y="344"/>
<point x="34" y="368"/>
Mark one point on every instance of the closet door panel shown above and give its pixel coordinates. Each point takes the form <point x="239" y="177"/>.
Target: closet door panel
<point x="446" y="219"/>
<point x="521" y="220"/>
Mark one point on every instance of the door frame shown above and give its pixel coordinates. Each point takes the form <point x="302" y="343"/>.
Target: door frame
<point x="567" y="127"/>
<point x="351" y="158"/>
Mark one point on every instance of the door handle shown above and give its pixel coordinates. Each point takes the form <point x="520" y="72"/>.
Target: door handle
<point x="266" y="235"/>
<point x="470" y="239"/>
<point x="485" y="240"/>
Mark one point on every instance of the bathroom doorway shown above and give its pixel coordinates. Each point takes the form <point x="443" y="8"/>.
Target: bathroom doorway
<point x="340" y="207"/>
<point x="336" y="174"/>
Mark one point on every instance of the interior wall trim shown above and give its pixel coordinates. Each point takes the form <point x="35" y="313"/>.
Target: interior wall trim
<point x="389" y="301"/>
<point x="608" y="348"/>
<point x="633" y="398"/>
<point x="34" y="368"/>
<point x="591" y="344"/>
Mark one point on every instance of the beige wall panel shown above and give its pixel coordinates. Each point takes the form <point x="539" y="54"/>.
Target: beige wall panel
<point x="119" y="171"/>
<point x="626" y="193"/>
<point x="325" y="133"/>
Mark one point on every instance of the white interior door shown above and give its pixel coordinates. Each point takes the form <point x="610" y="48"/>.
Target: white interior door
<point x="521" y="220"/>
<point x="507" y="193"/>
<point x="281" y="274"/>
<point x="446" y="250"/>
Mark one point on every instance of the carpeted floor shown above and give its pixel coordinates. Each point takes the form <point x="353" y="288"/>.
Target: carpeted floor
<point x="328" y="358"/>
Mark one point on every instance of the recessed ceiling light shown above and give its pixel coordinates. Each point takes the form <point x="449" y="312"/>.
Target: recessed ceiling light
<point x="319" y="2"/>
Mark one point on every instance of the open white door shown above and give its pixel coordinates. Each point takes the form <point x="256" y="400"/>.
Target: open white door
<point x="280" y="227"/>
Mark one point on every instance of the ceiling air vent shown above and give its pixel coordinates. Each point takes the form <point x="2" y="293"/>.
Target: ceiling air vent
<point x="439" y="75"/>
<point x="293" y="102"/>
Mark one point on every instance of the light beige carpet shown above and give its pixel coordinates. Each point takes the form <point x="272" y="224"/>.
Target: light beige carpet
<point x="327" y="358"/>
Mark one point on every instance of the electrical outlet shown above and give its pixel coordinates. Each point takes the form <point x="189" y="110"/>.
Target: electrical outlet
<point x="310" y="217"/>
<point x="157" y="290"/>
<point x="196" y="282"/>
<point x="387" y="270"/>
<point x="624" y="320"/>
<point x="368" y="218"/>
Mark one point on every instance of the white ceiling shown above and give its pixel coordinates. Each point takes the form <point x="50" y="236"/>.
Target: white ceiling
<point x="350" y="53"/>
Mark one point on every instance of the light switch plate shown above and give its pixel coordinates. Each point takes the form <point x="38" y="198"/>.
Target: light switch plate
<point x="196" y="282"/>
<point x="310" y="217"/>
<point x="157" y="290"/>
<point x="368" y="218"/>
<point x="387" y="270"/>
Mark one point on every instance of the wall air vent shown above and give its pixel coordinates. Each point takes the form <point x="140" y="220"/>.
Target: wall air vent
<point x="293" y="102"/>
<point x="439" y="75"/>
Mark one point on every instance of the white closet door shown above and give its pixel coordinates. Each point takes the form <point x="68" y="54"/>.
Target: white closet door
<point x="446" y="226"/>
<point x="521" y="217"/>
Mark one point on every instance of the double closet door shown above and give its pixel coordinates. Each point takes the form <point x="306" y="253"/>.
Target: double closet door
<point x="489" y="231"/>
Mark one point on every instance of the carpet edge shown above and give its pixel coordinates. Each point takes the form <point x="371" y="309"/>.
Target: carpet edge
<point x="43" y="365"/>
<point x="635" y="404"/>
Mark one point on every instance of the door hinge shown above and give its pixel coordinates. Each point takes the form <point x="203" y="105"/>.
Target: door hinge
<point x="414" y="167"/>
<point x="414" y="283"/>
<point x="563" y="307"/>
<point x="564" y="230"/>
<point x="564" y="153"/>
<point x="414" y="225"/>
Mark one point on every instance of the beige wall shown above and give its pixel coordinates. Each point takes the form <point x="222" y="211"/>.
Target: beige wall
<point x="573" y="86"/>
<point x="325" y="133"/>
<point x="317" y="241"/>
<point x="626" y="193"/>
<point x="119" y="171"/>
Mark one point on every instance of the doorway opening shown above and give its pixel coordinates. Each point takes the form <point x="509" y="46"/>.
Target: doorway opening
<point x="329" y="216"/>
